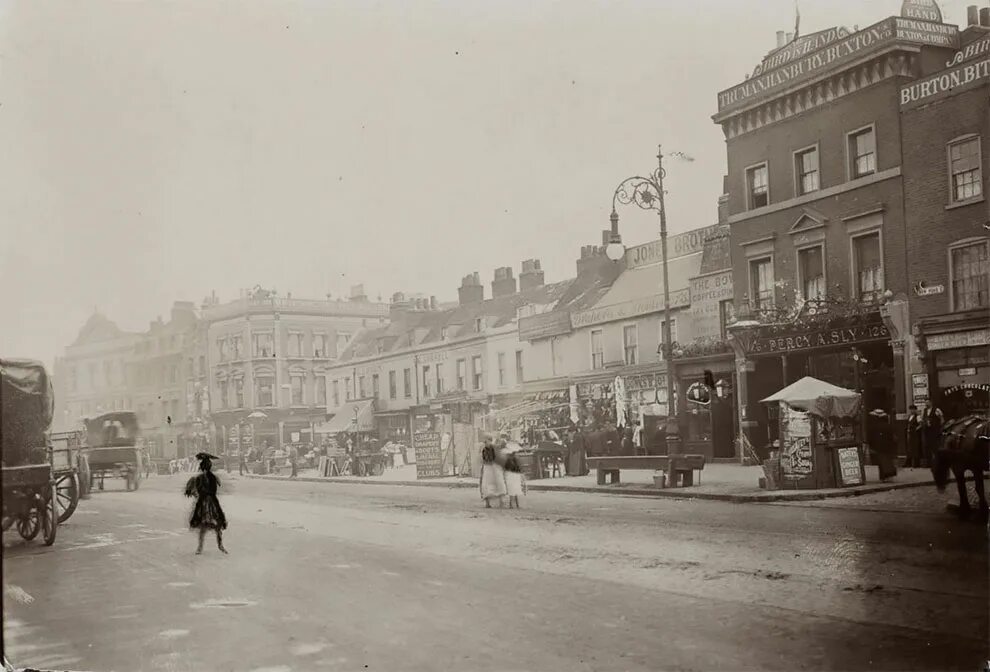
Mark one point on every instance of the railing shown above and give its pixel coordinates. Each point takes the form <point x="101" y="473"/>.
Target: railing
<point x="310" y="306"/>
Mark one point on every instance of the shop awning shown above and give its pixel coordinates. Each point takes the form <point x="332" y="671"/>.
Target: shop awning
<point x="354" y="416"/>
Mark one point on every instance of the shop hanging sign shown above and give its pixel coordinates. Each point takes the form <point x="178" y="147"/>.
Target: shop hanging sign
<point x="628" y="309"/>
<point x="982" y="387"/>
<point x="926" y="10"/>
<point x="544" y="325"/>
<point x="921" y="289"/>
<point x="796" y="342"/>
<point x="963" y="339"/>
<point x="850" y="469"/>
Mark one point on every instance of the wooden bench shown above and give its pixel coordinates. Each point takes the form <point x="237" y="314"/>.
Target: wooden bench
<point x="677" y="469"/>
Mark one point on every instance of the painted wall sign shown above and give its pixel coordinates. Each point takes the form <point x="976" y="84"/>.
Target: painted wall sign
<point x="983" y="387"/>
<point x="919" y="388"/>
<point x="927" y="10"/>
<point x="431" y="357"/>
<point x="429" y="456"/>
<point x="921" y="289"/>
<point x="707" y="294"/>
<point x="963" y="339"/>
<point x="545" y="325"/>
<point x="968" y="371"/>
<point x="680" y="245"/>
<point x="818" y="339"/>
<point x="623" y="311"/>
<point x="956" y="80"/>
<point x="836" y="53"/>
<point x="969" y="52"/>
<point x="800" y="47"/>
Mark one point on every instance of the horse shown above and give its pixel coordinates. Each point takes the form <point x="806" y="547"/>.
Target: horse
<point x="965" y="446"/>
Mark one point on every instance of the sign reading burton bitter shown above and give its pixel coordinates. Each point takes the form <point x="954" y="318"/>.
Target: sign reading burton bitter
<point x="966" y="74"/>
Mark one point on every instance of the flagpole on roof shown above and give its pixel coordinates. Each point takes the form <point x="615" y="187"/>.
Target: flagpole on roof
<point x="797" y="20"/>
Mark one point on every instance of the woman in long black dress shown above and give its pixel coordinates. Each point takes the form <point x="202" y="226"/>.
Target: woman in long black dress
<point x="206" y="514"/>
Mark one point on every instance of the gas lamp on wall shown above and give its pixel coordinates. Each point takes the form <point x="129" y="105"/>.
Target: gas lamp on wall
<point x="723" y="389"/>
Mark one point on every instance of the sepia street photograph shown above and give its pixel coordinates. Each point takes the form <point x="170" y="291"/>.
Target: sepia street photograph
<point x="495" y="335"/>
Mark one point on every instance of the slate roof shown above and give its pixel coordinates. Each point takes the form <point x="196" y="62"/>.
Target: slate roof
<point x="98" y="328"/>
<point x="418" y="328"/>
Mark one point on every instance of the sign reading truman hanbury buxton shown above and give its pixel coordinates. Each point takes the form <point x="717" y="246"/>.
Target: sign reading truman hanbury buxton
<point x="842" y="51"/>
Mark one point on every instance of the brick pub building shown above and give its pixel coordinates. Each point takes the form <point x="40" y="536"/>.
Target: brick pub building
<point x="816" y="211"/>
<point x="945" y="124"/>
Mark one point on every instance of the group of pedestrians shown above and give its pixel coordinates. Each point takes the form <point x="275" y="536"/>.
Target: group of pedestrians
<point x="501" y="476"/>
<point x="924" y="433"/>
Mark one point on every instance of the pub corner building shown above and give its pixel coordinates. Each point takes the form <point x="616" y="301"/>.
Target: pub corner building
<point x="858" y="223"/>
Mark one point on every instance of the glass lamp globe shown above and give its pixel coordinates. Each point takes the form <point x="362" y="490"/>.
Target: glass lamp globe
<point x="615" y="251"/>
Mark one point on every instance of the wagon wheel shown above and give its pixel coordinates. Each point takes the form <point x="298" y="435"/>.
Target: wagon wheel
<point x="67" y="493"/>
<point x="362" y="468"/>
<point x="28" y="526"/>
<point x="377" y="468"/>
<point x="49" y="518"/>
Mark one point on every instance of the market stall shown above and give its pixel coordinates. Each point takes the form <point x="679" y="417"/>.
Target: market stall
<point x="819" y="443"/>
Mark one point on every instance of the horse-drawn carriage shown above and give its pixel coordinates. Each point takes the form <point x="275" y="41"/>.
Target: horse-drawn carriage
<point x="28" y="478"/>
<point x="111" y="449"/>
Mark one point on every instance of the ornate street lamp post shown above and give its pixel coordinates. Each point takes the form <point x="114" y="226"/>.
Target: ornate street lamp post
<point x="648" y="194"/>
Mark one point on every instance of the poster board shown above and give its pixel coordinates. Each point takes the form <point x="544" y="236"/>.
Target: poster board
<point x="796" y="454"/>
<point x="850" y="466"/>
<point x="429" y="456"/>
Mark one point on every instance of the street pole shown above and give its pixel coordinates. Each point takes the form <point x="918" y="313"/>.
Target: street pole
<point x="667" y="341"/>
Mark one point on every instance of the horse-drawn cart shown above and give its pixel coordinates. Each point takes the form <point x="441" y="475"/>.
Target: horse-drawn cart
<point x="28" y="482"/>
<point x="70" y="471"/>
<point x="112" y="449"/>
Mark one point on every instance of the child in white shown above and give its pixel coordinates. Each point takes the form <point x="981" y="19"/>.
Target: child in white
<point x="515" y="482"/>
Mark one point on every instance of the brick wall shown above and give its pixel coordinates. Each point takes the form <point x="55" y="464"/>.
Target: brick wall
<point x="931" y="228"/>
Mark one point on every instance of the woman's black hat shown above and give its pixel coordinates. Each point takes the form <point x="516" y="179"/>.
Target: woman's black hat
<point x="206" y="456"/>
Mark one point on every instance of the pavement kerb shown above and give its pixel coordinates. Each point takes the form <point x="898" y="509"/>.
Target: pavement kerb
<point x="679" y="493"/>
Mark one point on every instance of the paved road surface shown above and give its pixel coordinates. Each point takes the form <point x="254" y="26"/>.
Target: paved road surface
<point x="351" y="577"/>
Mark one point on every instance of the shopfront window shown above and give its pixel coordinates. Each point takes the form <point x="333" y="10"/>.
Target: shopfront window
<point x="869" y="266"/>
<point x="264" y="387"/>
<point x="597" y="350"/>
<point x="811" y="267"/>
<point x="970" y="268"/>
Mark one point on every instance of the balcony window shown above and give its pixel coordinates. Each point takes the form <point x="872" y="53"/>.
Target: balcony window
<point x="965" y="169"/>
<point x="392" y="386"/>
<point x="239" y="392"/>
<point x="806" y="170"/>
<point x="264" y="387"/>
<point x="758" y="186"/>
<point x="321" y="390"/>
<point x="264" y="345"/>
<point x="597" y="350"/>
<point x="336" y="394"/>
<point x="862" y="152"/>
<point x="237" y="347"/>
<point x="630" y="344"/>
<point x="342" y="340"/>
<point x="426" y="381"/>
<point x="970" y="270"/>
<point x="519" y="367"/>
<point x="726" y="312"/>
<point x="868" y="266"/>
<point x="501" y="369"/>
<point x="439" y="379"/>
<point x="348" y="390"/>
<point x="476" y="371"/>
<point x="811" y="268"/>
<point x="320" y="345"/>
<point x="761" y="282"/>
<point x="375" y="386"/>
<point x="224" y="400"/>
<point x="361" y="389"/>
<point x="222" y="347"/>
<point x="407" y="383"/>
<point x="461" y="374"/>
<point x="297" y="384"/>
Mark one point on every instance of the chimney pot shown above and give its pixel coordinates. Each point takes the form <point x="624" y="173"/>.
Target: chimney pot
<point x="985" y="17"/>
<point x="790" y="36"/>
<point x="972" y="15"/>
<point x="780" y="38"/>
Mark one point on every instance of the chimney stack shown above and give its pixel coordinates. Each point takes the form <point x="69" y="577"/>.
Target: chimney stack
<point x="357" y="294"/>
<point x="504" y="284"/>
<point x="972" y="15"/>
<point x="780" y="39"/>
<point x="592" y="258"/>
<point x="790" y="38"/>
<point x="531" y="275"/>
<point x="433" y="303"/>
<point x="985" y="17"/>
<point x="471" y="290"/>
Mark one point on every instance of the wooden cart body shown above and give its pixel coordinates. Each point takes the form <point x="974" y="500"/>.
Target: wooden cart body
<point x="29" y="500"/>
<point x="69" y="470"/>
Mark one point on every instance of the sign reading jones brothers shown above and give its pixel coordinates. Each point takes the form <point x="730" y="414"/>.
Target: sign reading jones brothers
<point x="680" y="245"/>
<point x="847" y="49"/>
<point x="796" y="342"/>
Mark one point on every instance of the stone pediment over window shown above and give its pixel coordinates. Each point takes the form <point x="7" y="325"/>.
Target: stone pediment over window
<point x="809" y="227"/>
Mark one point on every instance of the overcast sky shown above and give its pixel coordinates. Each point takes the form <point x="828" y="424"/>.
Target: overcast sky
<point x="152" y="152"/>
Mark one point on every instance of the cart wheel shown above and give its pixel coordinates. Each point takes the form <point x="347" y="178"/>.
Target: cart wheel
<point x="28" y="526"/>
<point x="49" y="519"/>
<point x="362" y="469"/>
<point x="378" y="468"/>
<point x="67" y="493"/>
